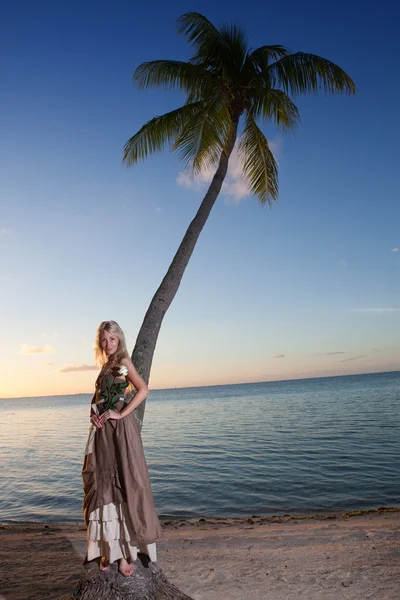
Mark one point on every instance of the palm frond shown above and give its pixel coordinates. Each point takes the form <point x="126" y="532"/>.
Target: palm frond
<point x="223" y="91"/>
<point x="205" y="136"/>
<point x="198" y="29"/>
<point x="211" y="49"/>
<point x="300" y="73"/>
<point x="174" y="74"/>
<point x="261" y="57"/>
<point x="275" y="105"/>
<point x="259" y="166"/>
<point x="157" y="132"/>
<point x="236" y="40"/>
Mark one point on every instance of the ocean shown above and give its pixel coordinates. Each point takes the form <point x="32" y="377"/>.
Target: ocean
<point x="303" y="446"/>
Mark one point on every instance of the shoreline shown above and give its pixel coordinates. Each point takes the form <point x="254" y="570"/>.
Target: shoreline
<point x="322" y="515"/>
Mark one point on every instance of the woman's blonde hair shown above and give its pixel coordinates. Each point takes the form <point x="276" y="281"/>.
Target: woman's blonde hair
<point x="100" y="357"/>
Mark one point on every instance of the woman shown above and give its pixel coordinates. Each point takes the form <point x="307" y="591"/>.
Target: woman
<point x="118" y="502"/>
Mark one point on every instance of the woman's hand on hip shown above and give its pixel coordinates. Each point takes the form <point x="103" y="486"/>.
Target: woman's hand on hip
<point x="110" y="414"/>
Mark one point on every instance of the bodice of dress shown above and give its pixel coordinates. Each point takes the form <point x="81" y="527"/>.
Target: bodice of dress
<point x="109" y="376"/>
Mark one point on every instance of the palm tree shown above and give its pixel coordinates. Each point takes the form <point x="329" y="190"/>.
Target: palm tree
<point x="224" y="81"/>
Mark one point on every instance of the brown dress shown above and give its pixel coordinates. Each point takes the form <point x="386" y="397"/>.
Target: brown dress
<point x="118" y="502"/>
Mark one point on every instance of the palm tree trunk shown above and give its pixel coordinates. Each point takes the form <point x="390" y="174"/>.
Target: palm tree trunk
<point x="142" y="355"/>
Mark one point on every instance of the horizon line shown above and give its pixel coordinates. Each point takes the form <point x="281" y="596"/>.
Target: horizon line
<point x="189" y="387"/>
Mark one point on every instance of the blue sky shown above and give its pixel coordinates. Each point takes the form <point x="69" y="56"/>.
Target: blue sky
<point x="309" y="287"/>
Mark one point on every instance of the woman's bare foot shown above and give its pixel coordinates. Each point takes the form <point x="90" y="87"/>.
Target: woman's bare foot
<point x="104" y="565"/>
<point x="125" y="568"/>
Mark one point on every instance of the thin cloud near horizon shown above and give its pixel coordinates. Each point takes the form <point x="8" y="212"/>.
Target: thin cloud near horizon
<point x="354" y="357"/>
<point x="386" y="349"/>
<point x="78" y="368"/>
<point x="378" y="310"/>
<point x="27" y="349"/>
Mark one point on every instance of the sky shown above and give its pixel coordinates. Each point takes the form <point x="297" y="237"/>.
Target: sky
<point x="307" y="288"/>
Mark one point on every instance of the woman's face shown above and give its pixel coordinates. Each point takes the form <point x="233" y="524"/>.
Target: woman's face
<point x="109" y="342"/>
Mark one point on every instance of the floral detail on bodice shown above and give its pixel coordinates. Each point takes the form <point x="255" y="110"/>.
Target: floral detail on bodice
<point x="110" y="387"/>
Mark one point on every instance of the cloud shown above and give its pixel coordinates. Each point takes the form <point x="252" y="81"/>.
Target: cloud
<point x="395" y="249"/>
<point x="342" y="263"/>
<point x="49" y="364"/>
<point x="278" y="356"/>
<point x="158" y="209"/>
<point x="387" y="349"/>
<point x="234" y="188"/>
<point x="77" y="368"/>
<point x="378" y="311"/>
<point x="4" y="231"/>
<point x="185" y="179"/>
<point x="354" y="358"/>
<point x="27" y="349"/>
<point x="330" y="353"/>
<point x="47" y="335"/>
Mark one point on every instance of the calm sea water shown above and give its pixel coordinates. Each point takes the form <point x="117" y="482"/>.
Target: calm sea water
<point x="262" y="448"/>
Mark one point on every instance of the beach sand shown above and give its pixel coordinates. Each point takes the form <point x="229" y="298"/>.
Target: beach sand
<point x="332" y="557"/>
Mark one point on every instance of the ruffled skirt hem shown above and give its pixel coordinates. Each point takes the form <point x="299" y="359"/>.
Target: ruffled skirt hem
<point x="109" y="535"/>
<point x="116" y="549"/>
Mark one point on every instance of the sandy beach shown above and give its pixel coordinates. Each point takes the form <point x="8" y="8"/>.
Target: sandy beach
<point x="349" y="556"/>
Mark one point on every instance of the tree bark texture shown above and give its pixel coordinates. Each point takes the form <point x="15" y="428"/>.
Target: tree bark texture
<point x="148" y="582"/>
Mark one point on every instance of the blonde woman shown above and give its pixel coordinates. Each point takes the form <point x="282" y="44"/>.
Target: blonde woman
<point x="118" y="502"/>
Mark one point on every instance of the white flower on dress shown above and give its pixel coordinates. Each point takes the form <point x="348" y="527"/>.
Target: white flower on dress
<point x="123" y="371"/>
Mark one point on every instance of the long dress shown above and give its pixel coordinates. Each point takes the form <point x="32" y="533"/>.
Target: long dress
<point x="118" y="502"/>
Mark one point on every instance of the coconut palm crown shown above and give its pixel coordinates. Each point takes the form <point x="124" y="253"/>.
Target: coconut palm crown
<point x="225" y="80"/>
